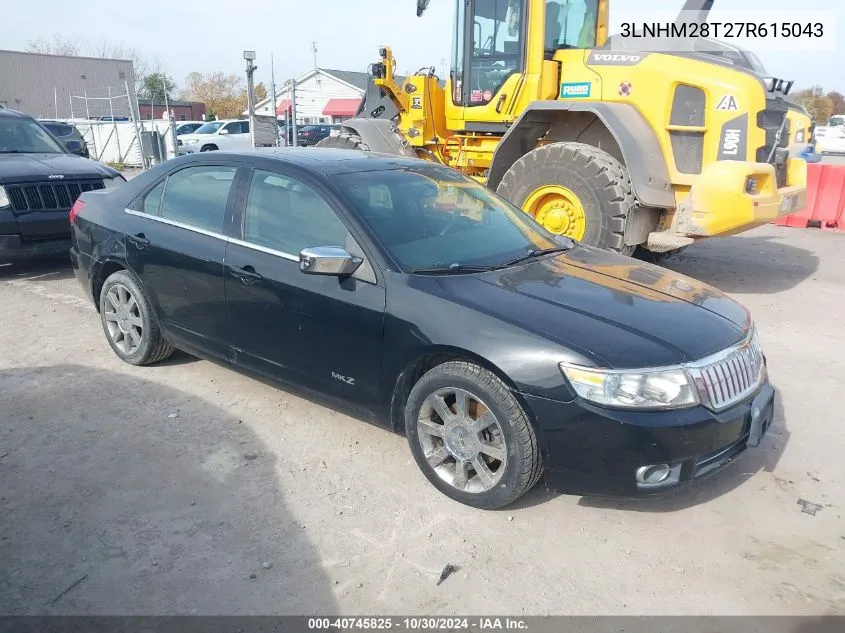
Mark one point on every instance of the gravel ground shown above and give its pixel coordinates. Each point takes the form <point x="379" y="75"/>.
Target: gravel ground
<point x="189" y="488"/>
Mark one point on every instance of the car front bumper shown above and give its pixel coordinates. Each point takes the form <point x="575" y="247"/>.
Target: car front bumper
<point x="16" y="248"/>
<point x="594" y="451"/>
<point x="181" y="150"/>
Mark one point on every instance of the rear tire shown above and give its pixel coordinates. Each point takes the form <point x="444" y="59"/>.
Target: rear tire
<point x="344" y="141"/>
<point x="600" y="182"/>
<point x="490" y="439"/>
<point x="129" y="322"/>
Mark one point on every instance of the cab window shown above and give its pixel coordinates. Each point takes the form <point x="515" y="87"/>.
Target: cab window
<point x="570" y="24"/>
<point x="498" y="33"/>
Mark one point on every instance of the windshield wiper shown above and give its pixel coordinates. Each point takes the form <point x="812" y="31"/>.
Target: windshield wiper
<point x="14" y="151"/>
<point x="534" y="254"/>
<point x="453" y="269"/>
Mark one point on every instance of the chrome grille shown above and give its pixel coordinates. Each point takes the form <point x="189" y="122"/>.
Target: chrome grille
<point x="730" y="376"/>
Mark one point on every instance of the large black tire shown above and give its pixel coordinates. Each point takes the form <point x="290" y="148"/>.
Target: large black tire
<point x="152" y="347"/>
<point x="208" y="148"/>
<point x="514" y="436"/>
<point x="601" y="183"/>
<point x="344" y="141"/>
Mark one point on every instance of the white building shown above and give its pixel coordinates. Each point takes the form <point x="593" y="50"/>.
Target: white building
<point x="322" y="96"/>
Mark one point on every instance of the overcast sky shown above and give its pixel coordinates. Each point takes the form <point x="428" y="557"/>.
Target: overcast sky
<point x="190" y="35"/>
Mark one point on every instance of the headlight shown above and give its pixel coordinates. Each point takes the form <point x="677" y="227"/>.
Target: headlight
<point x="191" y="141"/>
<point x="4" y="198"/>
<point x="630" y="389"/>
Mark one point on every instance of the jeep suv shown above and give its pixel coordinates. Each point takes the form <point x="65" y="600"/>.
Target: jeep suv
<point x="40" y="180"/>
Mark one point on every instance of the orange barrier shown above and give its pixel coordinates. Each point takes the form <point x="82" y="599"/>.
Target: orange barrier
<point x="825" y="199"/>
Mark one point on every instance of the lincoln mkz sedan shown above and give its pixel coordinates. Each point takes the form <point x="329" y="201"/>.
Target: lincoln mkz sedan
<point x="412" y="296"/>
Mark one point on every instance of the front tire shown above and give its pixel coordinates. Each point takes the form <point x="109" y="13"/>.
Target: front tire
<point x="470" y="436"/>
<point x="129" y="322"/>
<point x="576" y="190"/>
<point x="208" y="148"/>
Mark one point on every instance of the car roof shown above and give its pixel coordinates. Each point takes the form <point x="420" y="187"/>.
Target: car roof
<point x="14" y="113"/>
<point x="327" y="161"/>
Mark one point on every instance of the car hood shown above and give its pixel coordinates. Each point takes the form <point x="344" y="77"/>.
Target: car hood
<point x="15" y="168"/>
<point x="613" y="310"/>
<point x="194" y="135"/>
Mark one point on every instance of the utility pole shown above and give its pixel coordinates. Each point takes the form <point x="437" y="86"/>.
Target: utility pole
<point x="314" y="48"/>
<point x="273" y="96"/>
<point x="249" y="56"/>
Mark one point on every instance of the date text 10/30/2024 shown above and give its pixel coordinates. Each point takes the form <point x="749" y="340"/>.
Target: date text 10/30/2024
<point x="722" y="29"/>
<point x="418" y="624"/>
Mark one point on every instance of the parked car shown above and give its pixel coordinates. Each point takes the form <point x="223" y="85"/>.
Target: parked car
<point x="40" y="178"/>
<point x="188" y="127"/>
<point x="66" y="132"/>
<point x="830" y="140"/>
<point x="312" y="134"/>
<point x="215" y="135"/>
<point x="413" y="296"/>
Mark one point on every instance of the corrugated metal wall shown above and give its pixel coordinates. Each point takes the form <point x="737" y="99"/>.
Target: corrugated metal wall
<point x="42" y="84"/>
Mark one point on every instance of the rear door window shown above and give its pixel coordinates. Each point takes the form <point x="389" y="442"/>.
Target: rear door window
<point x="198" y="196"/>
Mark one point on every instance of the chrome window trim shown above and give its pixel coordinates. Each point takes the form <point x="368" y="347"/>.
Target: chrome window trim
<point x="263" y="249"/>
<point x="219" y="236"/>
<point x="181" y="225"/>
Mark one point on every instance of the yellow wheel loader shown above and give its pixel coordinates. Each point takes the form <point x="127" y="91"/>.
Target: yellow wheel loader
<point x="617" y="148"/>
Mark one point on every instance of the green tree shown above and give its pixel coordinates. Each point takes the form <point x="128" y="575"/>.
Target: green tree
<point x="157" y="86"/>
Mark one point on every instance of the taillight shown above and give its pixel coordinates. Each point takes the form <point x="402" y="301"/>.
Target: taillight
<point x="74" y="210"/>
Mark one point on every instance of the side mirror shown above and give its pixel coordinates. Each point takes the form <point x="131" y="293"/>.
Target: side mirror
<point x="224" y="131"/>
<point x="328" y="260"/>
<point x="73" y="146"/>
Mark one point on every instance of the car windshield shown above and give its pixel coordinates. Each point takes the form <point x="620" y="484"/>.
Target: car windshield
<point x="25" y="136"/>
<point x="209" y="128"/>
<point x="430" y="217"/>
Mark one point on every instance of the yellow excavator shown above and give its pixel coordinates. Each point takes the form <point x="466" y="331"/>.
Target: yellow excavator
<point x="623" y="149"/>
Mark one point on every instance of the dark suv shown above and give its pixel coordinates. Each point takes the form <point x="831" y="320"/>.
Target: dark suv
<point x="40" y="180"/>
<point x="67" y="133"/>
<point x="312" y="134"/>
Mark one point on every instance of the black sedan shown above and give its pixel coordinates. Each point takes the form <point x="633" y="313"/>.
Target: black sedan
<point x="413" y="296"/>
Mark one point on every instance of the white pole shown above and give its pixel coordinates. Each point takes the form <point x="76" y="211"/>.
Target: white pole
<point x="116" y="133"/>
<point x="273" y="97"/>
<point x="56" y="100"/>
<point x="135" y="122"/>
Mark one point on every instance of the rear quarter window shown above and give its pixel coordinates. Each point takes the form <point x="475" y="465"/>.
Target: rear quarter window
<point x="58" y="129"/>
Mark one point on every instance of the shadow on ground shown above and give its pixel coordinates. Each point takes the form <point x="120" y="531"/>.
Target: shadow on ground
<point x="52" y="268"/>
<point x="748" y="464"/>
<point x="746" y="264"/>
<point x="123" y="496"/>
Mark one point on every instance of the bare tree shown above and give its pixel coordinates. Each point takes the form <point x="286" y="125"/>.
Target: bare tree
<point x="57" y="45"/>
<point x="75" y="46"/>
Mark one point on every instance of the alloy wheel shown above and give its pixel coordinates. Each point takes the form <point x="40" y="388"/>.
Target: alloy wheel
<point x="462" y="440"/>
<point x="123" y="319"/>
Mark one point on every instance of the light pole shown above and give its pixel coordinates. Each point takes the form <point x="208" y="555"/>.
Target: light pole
<point x="249" y="56"/>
